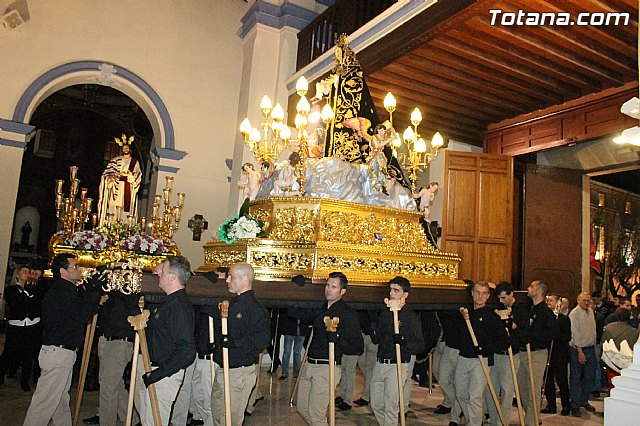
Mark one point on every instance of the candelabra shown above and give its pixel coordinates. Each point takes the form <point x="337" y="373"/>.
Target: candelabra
<point x="417" y="158"/>
<point x="266" y="146"/>
<point x="164" y="224"/>
<point x="72" y="212"/>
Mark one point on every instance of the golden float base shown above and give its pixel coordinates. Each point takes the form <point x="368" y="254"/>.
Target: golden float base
<point x="316" y="236"/>
<point x="96" y="258"/>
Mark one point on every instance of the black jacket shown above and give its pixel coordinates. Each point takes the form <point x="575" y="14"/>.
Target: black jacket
<point x="248" y="330"/>
<point x="65" y="313"/>
<point x="544" y="327"/>
<point x="489" y="331"/>
<point x="170" y="335"/>
<point x="410" y="330"/>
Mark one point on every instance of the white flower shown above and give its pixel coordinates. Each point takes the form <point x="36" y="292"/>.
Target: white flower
<point x="245" y="228"/>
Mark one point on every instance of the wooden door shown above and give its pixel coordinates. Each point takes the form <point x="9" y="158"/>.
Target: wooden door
<point x="477" y="219"/>
<point x="552" y="231"/>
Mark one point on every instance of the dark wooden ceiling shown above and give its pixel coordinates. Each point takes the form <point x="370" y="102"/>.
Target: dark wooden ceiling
<point x="464" y="74"/>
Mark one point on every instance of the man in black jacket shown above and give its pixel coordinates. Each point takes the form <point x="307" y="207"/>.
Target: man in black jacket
<point x="558" y="362"/>
<point x="170" y="337"/>
<point x="248" y="335"/>
<point x="313" y="390"/>
<point x="64" y="315"/>
<point x="492" y="338"/>
<point x="384" y="382"/>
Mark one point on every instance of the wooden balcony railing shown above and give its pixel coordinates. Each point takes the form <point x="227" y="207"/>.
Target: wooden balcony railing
<point x="344" y="16"/>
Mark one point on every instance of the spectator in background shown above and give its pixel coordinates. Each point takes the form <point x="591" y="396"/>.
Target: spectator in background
<point x="583" y="362"/>
<point x="618" y="332"/>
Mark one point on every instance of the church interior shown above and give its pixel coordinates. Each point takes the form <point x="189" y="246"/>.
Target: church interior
<point x="538" y="168"/>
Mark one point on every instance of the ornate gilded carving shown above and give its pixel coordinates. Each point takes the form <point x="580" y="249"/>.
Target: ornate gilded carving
<point x="376" y="265"/>
<point x="281" y="260"/>
<point x="224" y="257"/>
<point x="293" y="224"/>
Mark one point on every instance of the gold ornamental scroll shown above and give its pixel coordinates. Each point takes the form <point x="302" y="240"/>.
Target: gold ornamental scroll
<point x="316" y="236"/>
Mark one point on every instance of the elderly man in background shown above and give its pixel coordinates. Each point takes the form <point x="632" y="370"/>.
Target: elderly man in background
<point x="582" y="355"/>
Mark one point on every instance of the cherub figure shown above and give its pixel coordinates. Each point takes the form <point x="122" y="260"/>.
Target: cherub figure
<point x="383" y="135"/>
<point x="426" y="195"/>
<point x="250" y="182"/>
<point x="266" y="170"/>
<point x="284" y="184"/>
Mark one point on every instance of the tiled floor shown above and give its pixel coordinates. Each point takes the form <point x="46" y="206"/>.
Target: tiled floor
<point x="275" y="408"/>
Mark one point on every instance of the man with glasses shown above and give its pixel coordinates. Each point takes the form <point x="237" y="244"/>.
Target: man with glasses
<point x="64" y="315"/>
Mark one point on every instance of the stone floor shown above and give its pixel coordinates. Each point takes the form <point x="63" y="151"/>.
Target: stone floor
<point x="276" y="410"/>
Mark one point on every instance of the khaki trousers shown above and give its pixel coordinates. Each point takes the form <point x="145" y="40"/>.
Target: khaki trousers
<point x="114" y="355"/>
<point x="470" y="385"/>
<point x="50" y="400"/>
<point x="348" y="379"/>
<point x="202" y="389"/>
<point x="446" y="359"/>
<point x="503" y="383"/>
<point x="241" y="382"/>
<point x="384" y="392"/>
<point x="167" y="391"/>
<point x="366" y="362"/>
<point x="539" y="361"/>
<point x="313" y="393"/>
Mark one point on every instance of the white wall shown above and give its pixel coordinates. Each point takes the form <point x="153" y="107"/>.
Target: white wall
<point x="188" y="52"/>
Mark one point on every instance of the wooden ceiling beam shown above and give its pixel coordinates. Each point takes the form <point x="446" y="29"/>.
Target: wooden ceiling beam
<point x="451" y="60"/>
<point x="495" y="62"/>
<point x="525" y="58"/>
<point x="403" y="86"/>
<point x="447" y="129"/>
<point x="427" y="110"/>
<point x="492" y="88"/>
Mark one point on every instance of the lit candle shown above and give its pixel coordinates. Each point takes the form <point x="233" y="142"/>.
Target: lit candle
<point x="74" y="187"/>
<point x="181" y="199"/>
<point x="94" y="220"/>
<point x="176" y="214"/>
<point x="109" y="219"/>
<point x="143" y="224"/>
<point x="89" y="202"/>
<point x="58" y="201"/>
<point x="167" y="194"/>
<point x="156" y="208"/>
<point x="73" y="172"/>
<point x="169" y="180"/>
<point x="59" y="183"/>
<point x="130" y="221"/>
<point x="83" y="193"/>
<point x="158" y="199"/>
<point x="118" y="214"/>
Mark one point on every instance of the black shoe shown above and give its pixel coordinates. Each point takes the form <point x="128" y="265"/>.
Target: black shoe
<point x="95" y="420"/>
<point x="590" y="408"/>
<point x="338" y="400"/>
<point x="453" y="424"/>
<point x="514" y="403"/>
<point x="196" y="422"/>
<point x="282" y="378"/>
<point x="441" y="409"/>
<point x="565" y="411"/>
<point x="549" y="410"/>
<point x="343" y="406"/>
<point x="25" y="387"/>
<point x="1" y="379"/>
<point x="595" y="394"/>
<point x="247" y="414"/>
<point x="361" y="402"/>
<point x="576" y="412"/>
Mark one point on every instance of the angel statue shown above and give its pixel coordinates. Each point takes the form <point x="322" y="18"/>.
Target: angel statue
<point x="426" y="195"/>
<point x="120" y="183"/>
<point x="383" y="135"/>
<point x="250" y="182"/>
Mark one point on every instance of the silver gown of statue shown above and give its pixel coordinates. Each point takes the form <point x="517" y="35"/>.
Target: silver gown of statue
<point x="335" y="178"/>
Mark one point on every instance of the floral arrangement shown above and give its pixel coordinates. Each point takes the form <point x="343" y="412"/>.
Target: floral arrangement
<point x="143" y="244"/>
<point x="89" y="240"/>
<point x="243" y="225"/>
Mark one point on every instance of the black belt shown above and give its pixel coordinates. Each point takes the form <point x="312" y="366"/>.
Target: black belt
<point x="207" y="356"/>
<point x="69" y="348"/>
<point x="320" y="361"/>
<point x="389" y="361"/>
<point x="111" y="338"/>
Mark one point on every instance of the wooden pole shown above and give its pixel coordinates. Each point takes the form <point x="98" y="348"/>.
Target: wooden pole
<point x="394" y="306"/>
<point x="211" y="339"/>
<point x="134" y="369"/>
<point x="430" y="373"/>
<point x="485" y="369"/>
<point x="332" y="324"/>
<point x="302" y="364"/>
<point x="504" y="315"/>
<point x="273" y="353"/>
<point x="534" y="391"/>
<point x="224" y="314"/>
<point x="132" y="381"/>
<point x="84" y="365"/>
<point x="139" y="322"/>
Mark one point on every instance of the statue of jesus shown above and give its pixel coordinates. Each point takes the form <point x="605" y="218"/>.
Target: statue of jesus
<point x="120" y="183"/>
